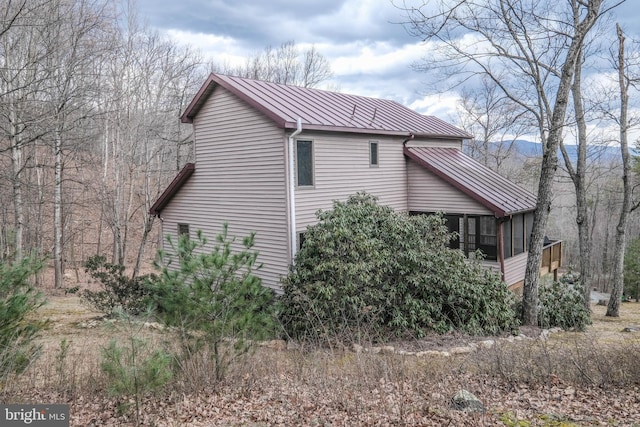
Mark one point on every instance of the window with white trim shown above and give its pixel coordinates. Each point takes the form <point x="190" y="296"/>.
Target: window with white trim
<point x="304" y="163"/>
<point x="373" y="154"/>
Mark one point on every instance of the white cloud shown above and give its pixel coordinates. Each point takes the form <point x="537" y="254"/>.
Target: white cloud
<point x="374" y="58"/>
<point x="221" y="49"/>
<point x="443" y="106"/>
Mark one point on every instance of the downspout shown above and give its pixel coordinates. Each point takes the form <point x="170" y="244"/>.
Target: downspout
<point x="406" y="169"/>
<point x="409" y="138"/>
<point x="292" y="189"/>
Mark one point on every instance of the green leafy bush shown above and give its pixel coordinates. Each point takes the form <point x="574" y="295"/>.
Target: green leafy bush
<point x="18" y="327"/>
<point x="632" y="270"/>
<point x="212" y="297"/>
<point x="562" y="306"/>
<point x="118" y="290"/>
<point x="366" y="272"/>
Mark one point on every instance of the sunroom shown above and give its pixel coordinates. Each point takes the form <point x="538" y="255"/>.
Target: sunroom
<point x="488" y="212"/>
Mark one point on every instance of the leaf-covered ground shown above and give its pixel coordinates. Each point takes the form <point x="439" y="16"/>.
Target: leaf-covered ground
<point x="572" y="379"/>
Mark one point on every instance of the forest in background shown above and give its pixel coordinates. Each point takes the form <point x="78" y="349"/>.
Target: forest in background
<point x="90" y="135"/>
<point x="90" y="131"/>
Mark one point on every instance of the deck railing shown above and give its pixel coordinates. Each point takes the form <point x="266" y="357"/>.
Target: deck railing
<point x="551" y="258"/>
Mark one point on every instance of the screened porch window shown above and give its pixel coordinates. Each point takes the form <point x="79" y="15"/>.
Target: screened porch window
<point x="517" y="234"/>
<point x="474" y="232"/>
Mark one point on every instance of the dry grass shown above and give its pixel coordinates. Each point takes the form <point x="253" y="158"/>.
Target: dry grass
<point x="573" y="379"/>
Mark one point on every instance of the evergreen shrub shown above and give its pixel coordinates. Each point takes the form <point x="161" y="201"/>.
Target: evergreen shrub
<point x="561" y="305"/>
<point x="19" y="327"/>
<point x="211" y="296"/>
<point x="366" y="272"/>
<point x="119" y="292"/>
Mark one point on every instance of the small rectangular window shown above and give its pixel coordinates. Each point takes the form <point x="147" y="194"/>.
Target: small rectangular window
<point x="304" y="163"/>
<point x="183" y="230"/>
<point x="373" y="154"/>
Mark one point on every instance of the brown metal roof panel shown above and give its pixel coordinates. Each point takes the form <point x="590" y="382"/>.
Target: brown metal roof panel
<point x="485" y="182"/>
<point x="512" y="196"/>
<point x="284" y="104"/>
<point x="494" y="191"/>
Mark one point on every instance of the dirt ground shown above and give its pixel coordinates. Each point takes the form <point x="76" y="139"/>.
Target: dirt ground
<point x="70" y="318"/>
<point x="321" y="388"/>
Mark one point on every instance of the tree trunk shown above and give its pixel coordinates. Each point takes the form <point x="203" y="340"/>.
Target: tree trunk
<point x="578" y="177"/>
<point x="613" y="309"/>
<point x="57" y="212"/>
<point x="550" y="163"/>
<point x="148" y="226"/>
<point x="16" y="163"/>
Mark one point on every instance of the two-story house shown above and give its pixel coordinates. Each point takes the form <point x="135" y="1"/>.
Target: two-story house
<point x="269" y="156"/>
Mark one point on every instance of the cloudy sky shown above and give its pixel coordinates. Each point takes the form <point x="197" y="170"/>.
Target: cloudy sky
<point x="369" y="50"/>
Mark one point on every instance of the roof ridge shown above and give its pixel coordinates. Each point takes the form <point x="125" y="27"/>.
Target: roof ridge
<point x="327" y="110"/>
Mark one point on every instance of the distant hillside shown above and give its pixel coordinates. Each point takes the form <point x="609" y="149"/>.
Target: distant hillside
<point x="534" y="149"/>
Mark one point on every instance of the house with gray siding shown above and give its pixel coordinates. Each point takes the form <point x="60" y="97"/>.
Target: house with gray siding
<point x="269" y="156"/>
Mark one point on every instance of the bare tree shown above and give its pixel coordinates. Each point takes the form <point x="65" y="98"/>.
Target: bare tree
<point x="146" y="82"/>
<point x="624" y="82"/>
<point x="530" y="50"/>
<point x="494" y="120"/>
<point x="315" y="68"/>
<point x="22" y="75"/>
<point x="579" y="179"/>
<point x="170" y="77"/>
<point x="75" y="41"/>
<point x="285" y="65"/>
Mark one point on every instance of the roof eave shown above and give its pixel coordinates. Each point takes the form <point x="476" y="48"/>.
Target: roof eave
<point x="496" y="210"/>
<point x="371" y="131"/>
<point x="462" y="135"/>
<point x="197" y="101"/>
<point x="207" y="88"/>
<point x="519" y="211"/>
<point x="172" y="189"/>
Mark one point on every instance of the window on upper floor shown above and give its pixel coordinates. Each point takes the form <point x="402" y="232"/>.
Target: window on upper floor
<point x="373" y="154"/>
<point x="304" y="163"/>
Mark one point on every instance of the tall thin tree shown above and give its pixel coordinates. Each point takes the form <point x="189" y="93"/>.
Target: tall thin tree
<point x="529" y="49"/>
<point x="613" y="309"/>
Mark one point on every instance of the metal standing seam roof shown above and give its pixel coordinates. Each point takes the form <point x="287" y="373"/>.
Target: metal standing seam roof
<point x="489" y="188"/>
<point x="324" y="110"/>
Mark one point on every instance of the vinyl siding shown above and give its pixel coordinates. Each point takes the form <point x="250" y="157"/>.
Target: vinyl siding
<point x="494" y="266"/>
<point x="239" y="179"/>
<point x="341" y="169"/>
<point x="514" y="268"/>
<point x="429" y="193"/>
